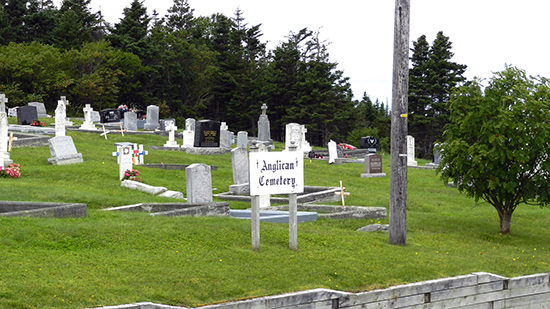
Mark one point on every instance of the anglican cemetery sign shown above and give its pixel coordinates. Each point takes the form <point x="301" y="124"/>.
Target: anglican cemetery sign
<point x="276" y="173"/>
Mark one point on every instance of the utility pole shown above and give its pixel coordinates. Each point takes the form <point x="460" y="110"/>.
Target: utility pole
<point x="400" y="91"/>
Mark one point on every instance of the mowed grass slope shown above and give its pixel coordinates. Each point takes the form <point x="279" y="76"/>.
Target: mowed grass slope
<point x="115" y="258"/>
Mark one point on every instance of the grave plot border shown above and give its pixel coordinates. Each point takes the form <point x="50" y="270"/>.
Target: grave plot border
<point x="178" y="209"/>
<point x="42" y="210"/>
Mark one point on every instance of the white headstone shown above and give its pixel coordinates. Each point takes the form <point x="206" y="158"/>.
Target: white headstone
<point x="189" y="133"/>
<point x="60" y="115"/>
<point x="410" y="152"/>
<point x="171" y="128"/>
<point x="4" y="139"/>
<point x="332" y="152"/>
<point x="88" y="124"/>
<point x="125" y="155"/>
<point x="225" y="136"/>
<point x="296" y="133"/>
<point x="130" y="121"/>
<point x="152" y="118"/>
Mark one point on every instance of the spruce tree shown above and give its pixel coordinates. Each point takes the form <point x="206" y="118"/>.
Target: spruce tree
<point x="432" y="78"/>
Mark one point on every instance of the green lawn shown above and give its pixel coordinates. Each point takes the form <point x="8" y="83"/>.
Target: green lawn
<point x="115" y="258"/>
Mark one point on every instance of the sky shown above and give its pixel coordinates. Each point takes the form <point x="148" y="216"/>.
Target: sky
<point x="486" y="35"/>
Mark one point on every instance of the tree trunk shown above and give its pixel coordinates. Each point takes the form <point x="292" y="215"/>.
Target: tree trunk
<point x="505" y="220"/>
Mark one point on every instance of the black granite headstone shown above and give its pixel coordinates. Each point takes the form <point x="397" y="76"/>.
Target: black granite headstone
<point x="372" y="144"/>
<point x="110" y="115"/>
<point x="26" y="115"/>
<point x="207" y="133"/>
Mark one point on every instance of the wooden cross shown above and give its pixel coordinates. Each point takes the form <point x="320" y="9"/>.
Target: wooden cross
<point x="105" y="132"/>
<point x="342" y="193"/>
<point x="121" y="131"/>
<point x="11" y="141"/>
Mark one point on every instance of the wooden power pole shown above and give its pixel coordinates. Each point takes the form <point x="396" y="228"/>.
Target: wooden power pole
<point x="400" y="91"/>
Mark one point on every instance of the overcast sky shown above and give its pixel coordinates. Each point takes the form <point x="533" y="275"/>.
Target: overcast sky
<point x="486" y="34"/>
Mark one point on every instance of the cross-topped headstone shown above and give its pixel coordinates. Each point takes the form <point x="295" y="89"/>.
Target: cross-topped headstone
<point x="88" y="123"/>
<point x="171" y="128"/>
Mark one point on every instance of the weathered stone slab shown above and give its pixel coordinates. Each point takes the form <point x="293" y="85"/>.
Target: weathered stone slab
<point x="136" y="185"/>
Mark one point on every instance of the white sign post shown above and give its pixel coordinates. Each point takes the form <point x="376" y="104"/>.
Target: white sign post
<point x="276" y="173"/>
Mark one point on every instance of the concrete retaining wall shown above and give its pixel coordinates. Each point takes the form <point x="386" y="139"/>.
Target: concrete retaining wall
<point x="476" y="290"/>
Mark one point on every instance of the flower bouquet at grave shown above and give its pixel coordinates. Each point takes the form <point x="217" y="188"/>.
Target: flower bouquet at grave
<point x="131" y="175"/>
<point x="11" y="171"/>
<point x="37" y="123"/>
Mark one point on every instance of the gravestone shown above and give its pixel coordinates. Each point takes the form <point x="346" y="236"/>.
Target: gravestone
<point x="4" y="139"/>
<point x="239" y="162"/>
<point x="40" y="109"/>
<point x="12" y="112"/>
<point x="264" y="129"/>
<point x="410" y="152"/>
<point x="125" y="159"/>
<point x="199" y="183"/>
<point x="110" y="115"/>
<point x="63" y="151"/>
<point x="373" y="166"/>
<point x="95" y="116"/>
<point x="88" y="123"/>
<point x="225" y="136"/>
<point x="26" y="115"/>
<point x="171" y="127"/>
<point x="163" y="123"/>
<point x="152" y="118"/>
<point x="296" y="133"/>
<point x="332" y="152"/>
<point x="437" y="156"/>
<point x="339" y="152"/>
<point x="372" y="144"/>
<point x="189" y="133"/>
<point x="207" y="133"/>
<point x="242" y="139"/>
<point x="130" y="121"/>
<point x="63" y="99"/>
<point x="60" y="115"/>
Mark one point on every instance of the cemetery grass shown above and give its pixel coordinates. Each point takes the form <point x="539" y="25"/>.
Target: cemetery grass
<point x="110" y="258"/>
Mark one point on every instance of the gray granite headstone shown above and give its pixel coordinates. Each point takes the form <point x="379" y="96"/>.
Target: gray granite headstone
<point x="40" y="109"/>
<point x="239" y="161"/>
<point x="163" y="123"/>
<point x="130" y="121"/>
<point x="63" y="151"/>
<point x="199" y="183"/>
<point x="264" y="129"/>
<point x="152" y="118"/>
<point x="242" y="139"/>
<point x="373" y="166"/>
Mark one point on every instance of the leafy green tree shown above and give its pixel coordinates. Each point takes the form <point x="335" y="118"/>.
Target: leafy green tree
<point x="31" y="72"/>
<point x="497" y="143"/>
<point x="98" y="74"/>
<point x="432" y="78"/>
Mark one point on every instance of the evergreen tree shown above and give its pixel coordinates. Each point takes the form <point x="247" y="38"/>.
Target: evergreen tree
<point x="131" y="32"/>
<point x="431" y="80"/>
<point x="76" y="24"/>
<point x="304" y="86"/>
